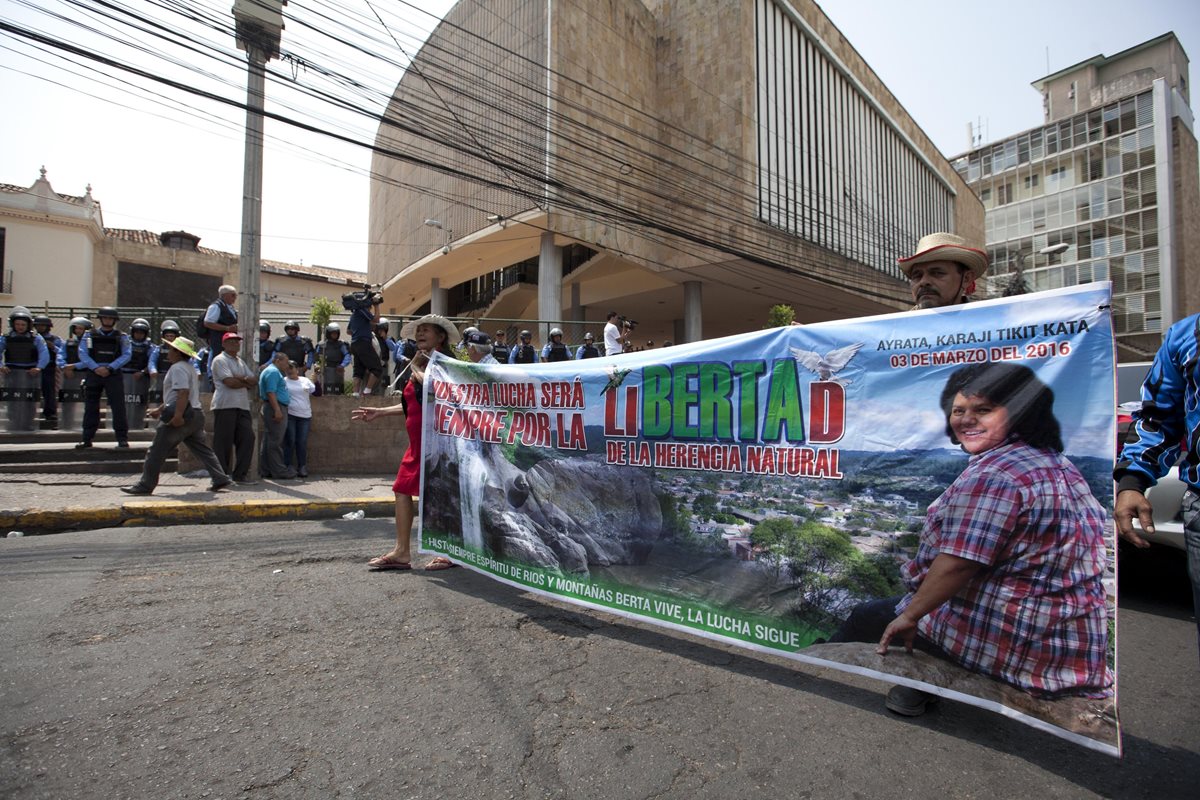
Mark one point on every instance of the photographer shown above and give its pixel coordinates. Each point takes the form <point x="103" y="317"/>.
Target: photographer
<point x="616" y="333"/>
<point x="364" y="315"/>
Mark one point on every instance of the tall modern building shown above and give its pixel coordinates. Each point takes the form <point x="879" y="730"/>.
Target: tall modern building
<point x="1107" y="188"/>
<point x="686" y="164"/>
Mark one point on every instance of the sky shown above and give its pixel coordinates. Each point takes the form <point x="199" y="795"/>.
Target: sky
<point x="173" y="161"/>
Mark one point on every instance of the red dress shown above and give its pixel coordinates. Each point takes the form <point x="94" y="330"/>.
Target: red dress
<point x="408" y="477"/>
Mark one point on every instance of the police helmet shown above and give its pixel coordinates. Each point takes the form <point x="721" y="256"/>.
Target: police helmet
<point x="20" y="312"/>
<point x="383" y="323"/>
<point x="555" y="332"/>
<point x="588" y="337"/>
<point x="263" y="325"/>
<point x="42" y="319"/>
<point x="140" y="324"/>
<point x="107" y="311"/>
<point x="80" y="322"/>
<point x="291" y="323"/>
<point x="526" y="335"/>
<point x="169" y="326"/>
<point x="333" y="327"/>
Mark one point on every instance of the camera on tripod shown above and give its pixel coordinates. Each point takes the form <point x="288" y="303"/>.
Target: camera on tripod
<point x="367" y="297"/>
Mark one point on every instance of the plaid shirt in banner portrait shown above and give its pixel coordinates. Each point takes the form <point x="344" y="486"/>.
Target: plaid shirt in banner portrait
<point x="1034" y="615"/>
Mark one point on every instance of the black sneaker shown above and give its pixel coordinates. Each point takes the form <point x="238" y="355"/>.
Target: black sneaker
<point x="135" y="489"/>
<point x="909" y="702"/>
<point x="122" y="443"/>
<point x="216" y="487"/>
<point x="83" y="445"/>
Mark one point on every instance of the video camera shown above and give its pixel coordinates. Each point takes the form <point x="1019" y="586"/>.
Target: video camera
<point x="626" y="322"/>
<point x="370" y="295"/>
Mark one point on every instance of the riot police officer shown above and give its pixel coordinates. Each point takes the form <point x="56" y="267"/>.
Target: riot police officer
<point x="159" y="356"/>
<point x="499" y="348"/>
<point x="266" y="347"/>
<point x="299" y="349"/>
<point x="23" y="356"/>
<point x="73" y="372"/>
<point x="104" y="350"/>
<point x="523" y="353"/>
<point x="51" y="375"/>
<point x="337" y="358"/>
<point x="138" y="372"/>
<point x="555" y="350"/>
<point x="386" y="346"/>
<point x="588" y="349"/>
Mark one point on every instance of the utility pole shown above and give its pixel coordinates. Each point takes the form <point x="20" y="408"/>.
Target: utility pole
<point x="259" y="29"/>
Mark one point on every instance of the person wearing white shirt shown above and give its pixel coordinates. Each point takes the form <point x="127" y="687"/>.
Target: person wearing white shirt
<point x="299" y="419"/>
<point x="233" y="427"/>
<point x="613" y="343"/>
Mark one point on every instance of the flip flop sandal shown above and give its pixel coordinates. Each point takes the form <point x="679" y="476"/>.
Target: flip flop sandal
<point x="440" y="563"/>
<point x="383" y="563"/>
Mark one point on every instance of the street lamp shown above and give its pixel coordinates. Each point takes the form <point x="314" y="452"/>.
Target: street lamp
<point x="1054" y="249"/>
<point x="433" y="223"/>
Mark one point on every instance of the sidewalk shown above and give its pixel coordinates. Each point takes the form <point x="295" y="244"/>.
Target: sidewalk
<point x="53" y="502"/>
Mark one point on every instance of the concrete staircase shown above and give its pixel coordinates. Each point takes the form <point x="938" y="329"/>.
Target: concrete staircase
<point x="54" y="451"/>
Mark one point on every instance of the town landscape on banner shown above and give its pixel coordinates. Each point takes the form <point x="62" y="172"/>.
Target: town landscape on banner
<point x="755" y="490"/>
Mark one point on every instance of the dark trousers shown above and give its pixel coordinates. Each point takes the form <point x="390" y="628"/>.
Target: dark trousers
<point x="113" y="388"/>
<point x="295" y="441"/>
<point x="167" y="438"/>
<point x="233" y="433"/>
<point x="270" y="460"/>
<point x="50" y="391"/>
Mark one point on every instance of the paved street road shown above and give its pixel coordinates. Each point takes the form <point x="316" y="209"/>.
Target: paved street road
<point x="182" y="663"/>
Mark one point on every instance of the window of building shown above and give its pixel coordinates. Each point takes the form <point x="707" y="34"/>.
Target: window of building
<point x="1004" y="194"/>
<point x="5" y="287"/>
<point x="1031" y="181"/>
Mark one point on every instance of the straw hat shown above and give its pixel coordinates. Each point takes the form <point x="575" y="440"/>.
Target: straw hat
<point x="946" y="247"/>
<point x="409" y="331"/>
<point x="183" y="345"/>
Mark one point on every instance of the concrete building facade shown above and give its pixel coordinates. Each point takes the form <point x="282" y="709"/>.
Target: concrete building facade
<point x="688" y="165"/>
<point x="1107" y="188"/>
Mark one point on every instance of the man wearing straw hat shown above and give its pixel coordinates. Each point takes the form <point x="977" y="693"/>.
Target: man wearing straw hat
<point x="943" y="271"/>
<point x="180" y="421"/>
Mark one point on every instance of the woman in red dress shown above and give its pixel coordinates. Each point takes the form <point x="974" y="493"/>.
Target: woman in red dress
<point x="431" y="332"/>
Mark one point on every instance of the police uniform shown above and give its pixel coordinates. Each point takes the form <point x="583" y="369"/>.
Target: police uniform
<point x="70" y="396"/>
<point x="587" y="350"/>
<point x="296" y="348"/>
<point x="109" y="349"/>
<point x="21" y="352"/>
<point x="266" y="349"/>
<point x="523" y="354"/>
<point x="500" y="352"/>
<point x="337" y="358"/>
<point x="137" y="380"/>
<point x="50" y="376"/>
<point x="555" y="351"/>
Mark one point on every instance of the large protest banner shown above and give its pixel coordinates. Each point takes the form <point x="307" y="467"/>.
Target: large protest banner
<point x="757" y="489"/>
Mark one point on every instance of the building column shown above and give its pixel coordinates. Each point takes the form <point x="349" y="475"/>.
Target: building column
<point x="576" y="315"/>
<point x="549" y="286"/>
<point x="439" y="301"/>
<point x="693" y="316"/>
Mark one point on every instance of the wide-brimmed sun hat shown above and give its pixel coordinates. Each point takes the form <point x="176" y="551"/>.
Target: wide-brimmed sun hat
<point x="946" y="247"/>
<point x="409" y="331"/>
<point x="183" y="345"/>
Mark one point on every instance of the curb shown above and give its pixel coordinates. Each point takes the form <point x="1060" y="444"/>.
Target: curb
<point x="168" y="512"/>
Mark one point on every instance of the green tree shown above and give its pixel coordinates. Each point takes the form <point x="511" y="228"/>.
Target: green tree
<point x="780" y="316"/>
<point x="704" y="506"/>
<point x="322" y="311"/>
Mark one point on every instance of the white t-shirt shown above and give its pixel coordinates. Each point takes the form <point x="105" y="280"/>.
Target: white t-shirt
<point x="301" y="403"/>
<point x="181" y="376"/>
<point x="612" y="339"/>
<point x="226" y="366"/>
